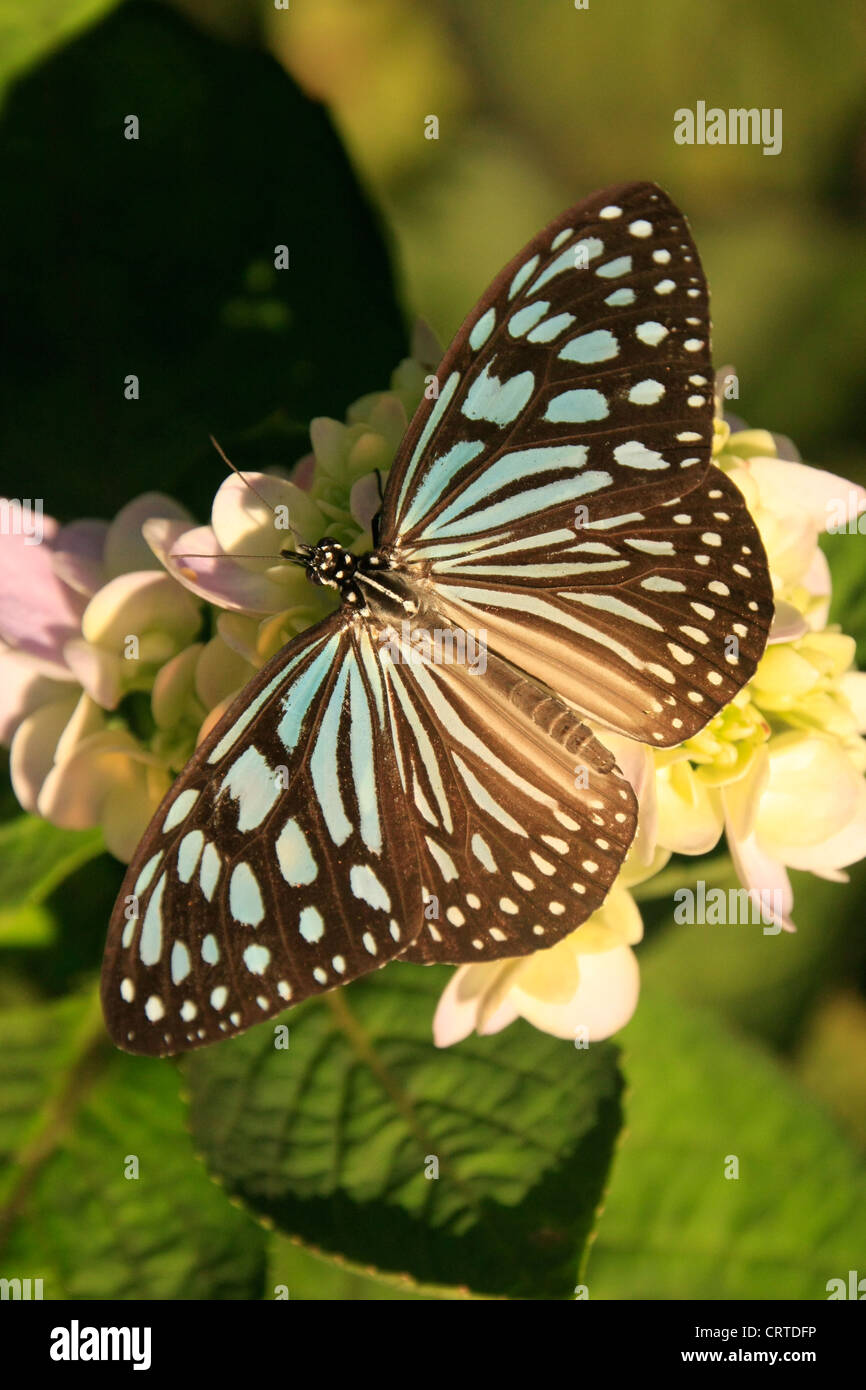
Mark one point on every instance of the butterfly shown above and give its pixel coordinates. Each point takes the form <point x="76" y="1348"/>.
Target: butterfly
<point x="369" y="796"/>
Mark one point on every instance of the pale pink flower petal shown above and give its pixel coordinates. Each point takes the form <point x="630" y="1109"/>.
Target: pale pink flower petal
<point x="77" y="555"/>
<point x="125" y="547"/>
<point x="765" y="878"/>
<point x="635" y="762"/>
<point x="819" y="583"/>
<point x="38" y="612"/>
<point x="196" y="560"/>
<point x="502" y="1016"/>
<point x="365" y="500"/>
<point x="788" y="623"/>
<point x="303" y="472"/>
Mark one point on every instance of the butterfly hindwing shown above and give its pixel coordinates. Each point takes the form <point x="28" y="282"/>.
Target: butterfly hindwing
<point x="522" y="819"/>
<point x="657" y="626"/>
<point x="279" y="865"/>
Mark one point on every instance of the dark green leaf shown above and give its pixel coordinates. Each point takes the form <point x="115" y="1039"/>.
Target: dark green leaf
<point x="330" y="1138"/>
<point x="155" y="258"/>
<point x="74" y="1114"/>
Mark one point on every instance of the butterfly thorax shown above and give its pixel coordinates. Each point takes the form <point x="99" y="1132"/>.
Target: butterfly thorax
<point x="364" y="582"/>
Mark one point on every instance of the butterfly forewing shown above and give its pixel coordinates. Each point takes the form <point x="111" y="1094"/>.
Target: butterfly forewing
<point x="281" y="863"/>
<point x="581" y="379"/>
<point x="558" y="494"/>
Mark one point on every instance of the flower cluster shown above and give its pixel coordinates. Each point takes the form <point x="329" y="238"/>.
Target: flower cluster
<point x="122" y="643"/>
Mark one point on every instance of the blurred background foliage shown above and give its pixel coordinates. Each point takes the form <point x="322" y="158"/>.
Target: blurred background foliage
<point x="161" y="266"/>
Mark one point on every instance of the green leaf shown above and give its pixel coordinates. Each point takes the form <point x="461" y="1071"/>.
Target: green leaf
<point x="298" y="1273"/>
<point x="330" y="1138"/>
<point x="155" y="257"/>
<point x="28" y="31"/>
<point x="35" y="858"/>
<point x="763" y="983"/>
<point x="674" y="1226"/>
<point x="848" y="606"/>
<point x="74" y="1112"/>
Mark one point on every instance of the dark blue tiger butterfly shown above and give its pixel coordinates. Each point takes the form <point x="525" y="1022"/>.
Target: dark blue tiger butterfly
<point x="558" y="497"/>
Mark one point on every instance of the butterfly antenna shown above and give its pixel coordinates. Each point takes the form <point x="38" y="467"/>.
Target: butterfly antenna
<point x="227" y="461"/>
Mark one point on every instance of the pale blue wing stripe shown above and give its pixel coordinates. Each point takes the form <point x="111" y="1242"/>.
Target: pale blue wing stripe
<point x="363" y="761"/>
<point x="522" y="463"/>
<point x="324" y="763"/>
<point x="300" y="695"/>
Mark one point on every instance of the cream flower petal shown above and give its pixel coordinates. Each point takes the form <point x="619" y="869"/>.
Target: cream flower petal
<point x="853" y="687"/>
<point x="213" y="717"/>
<point x="603" y="1003"/>
<point x="99" y="672"/>
<point x="810" y="494"/>
<point x="86" y="720"/>
<point x="457" y="1010"/>
<point x="128" y="808"/>
<point x="240" y="631"/>
<point x="328" y="438"/>
<point x="174" y="687"/>
<point x="219" y="672"/>
<point x="551" y="975"/>
<point x="23" y="688"/>
<point x="690" y="814"/>
<point x="846" y="846"/>
<point x="31" y="756"/>
<point x="134" y="604"/>
<point x="254" y="523"/>
<point x="741" y="799"/>
<point x="813" y="810"/>
<point x="74" y="792"/>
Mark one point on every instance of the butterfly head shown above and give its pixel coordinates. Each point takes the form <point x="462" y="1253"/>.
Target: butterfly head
<point x="330" y="564"/>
